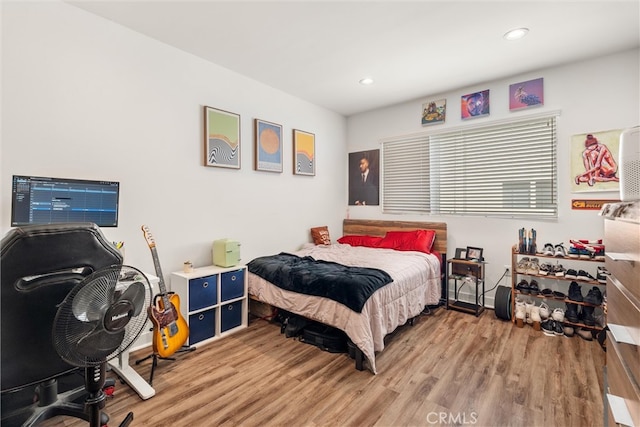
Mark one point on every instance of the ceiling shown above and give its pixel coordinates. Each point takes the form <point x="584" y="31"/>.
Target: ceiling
<point x="319" y="50"/>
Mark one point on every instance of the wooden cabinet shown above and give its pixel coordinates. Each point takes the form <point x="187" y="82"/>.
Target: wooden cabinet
<point x="213" y="300"/>
<point x="622" y="238"/>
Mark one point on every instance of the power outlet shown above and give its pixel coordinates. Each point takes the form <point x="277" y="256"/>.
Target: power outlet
<point x="507" y="269"/>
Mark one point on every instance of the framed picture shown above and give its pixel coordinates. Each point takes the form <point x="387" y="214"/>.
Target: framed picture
<point x="594" y="161"/>
<point x="364" y="178"/>
<point x="474" y="254"/>
<point x="304" y="153"/>
<point x="221" y="138"/>
<point x="434" y="112"/>
<point x="268" y="146"/>
<point x="461" y="253"/>
<point x="526" y="94"/>
<point x="475" y="105"/>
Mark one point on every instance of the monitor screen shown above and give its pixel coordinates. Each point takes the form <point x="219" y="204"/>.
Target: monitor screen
<point x="40" y="200"/>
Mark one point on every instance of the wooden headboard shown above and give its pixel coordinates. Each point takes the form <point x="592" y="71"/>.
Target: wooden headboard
<point x="379" y="228"/>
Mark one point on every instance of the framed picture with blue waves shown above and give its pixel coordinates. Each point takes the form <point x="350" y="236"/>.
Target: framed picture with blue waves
<point x="304" y="153"/>
<point x="221" y="138"/>
<point x="268" y="146"/>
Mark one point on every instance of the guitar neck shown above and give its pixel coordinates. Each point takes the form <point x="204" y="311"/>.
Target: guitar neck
<point x="156" y="264"/>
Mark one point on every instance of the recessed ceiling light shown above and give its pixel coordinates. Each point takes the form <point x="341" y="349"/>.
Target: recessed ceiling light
<point x="366" y="81"/>
<point x="516" y="34"/>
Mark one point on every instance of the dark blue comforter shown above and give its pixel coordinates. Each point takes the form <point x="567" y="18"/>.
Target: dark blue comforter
<point x="350" y="286"/>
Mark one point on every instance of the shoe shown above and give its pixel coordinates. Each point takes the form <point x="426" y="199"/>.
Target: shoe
<point x="522" y="245"/>
<point x="558" y="315"/>
<point x="534" y="266"/>
<point x="583" y="275"/>
<point x="594" y="296"/>
<point x="571" y="274"/>
<point x="548" y="327"/>
<point x="587" y="315"/>
<point x="559" y="295"/>
<point x="520" y="313"/>
<point x="569" y="331"/>
<point x="523" y="265"/>
<point x="528" y="306"/>
<point x="546" y="292"/>
<point x="572" y="313"/>
<point x="558" y="329"/>
<point x="602" y="275"/>
<point x="558" y="270"/>
<point x="573" y="252"/>
<point x="585" y="334"/>
<point x="544" y="311"/>
<point x="548" y="249"/>
<point x="559" y="251"/>
<point x="534" y="289"/>
<point x="533" y="247"/>
<point x="575" y="293"/>
<point x="545" y="269"/>
<point x="523" y="287"/>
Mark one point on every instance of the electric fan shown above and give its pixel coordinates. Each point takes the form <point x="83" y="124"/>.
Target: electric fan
<point x="99" y="319"/>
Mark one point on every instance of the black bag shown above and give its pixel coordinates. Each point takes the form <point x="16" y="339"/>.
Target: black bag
<point x="324" y="337"/>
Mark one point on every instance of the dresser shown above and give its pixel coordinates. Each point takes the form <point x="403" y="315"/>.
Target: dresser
<point x="622" y="260"/>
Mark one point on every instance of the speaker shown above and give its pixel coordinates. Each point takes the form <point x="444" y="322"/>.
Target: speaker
<point x="629" y="164"/>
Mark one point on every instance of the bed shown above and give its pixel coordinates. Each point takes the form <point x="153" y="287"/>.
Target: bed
<point x="417" y="281"/>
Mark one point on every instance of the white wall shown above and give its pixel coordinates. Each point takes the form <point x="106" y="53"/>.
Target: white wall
<point x="595" y="95"/>
<point x="83" y="97"/>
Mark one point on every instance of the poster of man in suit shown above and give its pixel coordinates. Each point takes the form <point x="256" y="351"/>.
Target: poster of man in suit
<point x="363" y="178"/>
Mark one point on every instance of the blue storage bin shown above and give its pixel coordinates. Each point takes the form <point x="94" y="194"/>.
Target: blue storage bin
<point x="203" y="292"/>
<point x="230" y="315"/>
<point x="202" y="326"/>
<point x="232" y="285"/>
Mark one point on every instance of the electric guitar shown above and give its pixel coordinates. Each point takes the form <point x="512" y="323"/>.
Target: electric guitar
<point x="170" y="330"/>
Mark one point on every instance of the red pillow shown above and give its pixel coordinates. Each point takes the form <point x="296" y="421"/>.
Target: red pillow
<point x="417" y="240"/>
<point x="354" y="240"/>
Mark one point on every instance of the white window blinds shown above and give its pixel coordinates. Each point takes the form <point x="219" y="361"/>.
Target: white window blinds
<point x="506" y="169"/>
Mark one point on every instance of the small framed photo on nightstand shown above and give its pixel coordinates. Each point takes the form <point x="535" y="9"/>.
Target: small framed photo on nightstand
<point x="474" y="254"/>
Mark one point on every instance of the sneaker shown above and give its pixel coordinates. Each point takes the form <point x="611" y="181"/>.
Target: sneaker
<point x="520" y="313"/>
<point x="545" y="269"/>
<point x="569" y="331"/>
<point x="573" y="252"/>
<point x="534" y="266"/>
<point x="534" y="289"/>
<point x="594" y="296"/>
<point x="548" y="249"/>
<point x="548" y="327"/>
<point x="523" y="286"/>
<point x="558" y="329"/>
<point x="602" y="275"/>
<point x="583" y="275"/>
<point x="575" y="292"/>
<point x="544" y="311"/>
<point x="558" y="270"/>
<point x="559" y="295"/>
<point x="571" y="274"/>
<point x="585" y="334"/>
<point x="547" y="293"/>
<point x="559" y="251"/>
<point x="558" y="315"/>
<point x="522" y="266"/>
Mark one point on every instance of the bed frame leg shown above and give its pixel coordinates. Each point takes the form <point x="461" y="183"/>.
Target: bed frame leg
<point x="359" y="359"/>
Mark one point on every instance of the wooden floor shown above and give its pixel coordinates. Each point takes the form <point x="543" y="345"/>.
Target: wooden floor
<point x="450" y="368"/>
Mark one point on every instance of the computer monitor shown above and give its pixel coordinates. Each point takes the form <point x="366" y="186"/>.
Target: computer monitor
<point x="45" y="200"/>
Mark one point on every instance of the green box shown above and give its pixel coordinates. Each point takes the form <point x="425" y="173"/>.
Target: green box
<point x="226" y="252"/>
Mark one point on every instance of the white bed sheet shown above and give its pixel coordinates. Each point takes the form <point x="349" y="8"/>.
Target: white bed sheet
<point x="416" y="283"/>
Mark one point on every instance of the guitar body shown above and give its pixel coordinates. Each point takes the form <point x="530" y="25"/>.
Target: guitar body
<point x="170" y="329"/>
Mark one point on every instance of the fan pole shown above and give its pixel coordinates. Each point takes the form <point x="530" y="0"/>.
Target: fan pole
<point x="94" y="380"/>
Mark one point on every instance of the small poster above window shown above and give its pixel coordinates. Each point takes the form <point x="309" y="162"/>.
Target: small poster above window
<point x="475" y="105"/>
<point x="526" y="94"/>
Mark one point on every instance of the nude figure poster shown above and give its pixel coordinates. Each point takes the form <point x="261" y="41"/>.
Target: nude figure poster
<point x="594" y="161"/>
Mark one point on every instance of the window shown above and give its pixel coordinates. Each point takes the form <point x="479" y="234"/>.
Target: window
<point x="506" y="169"/>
